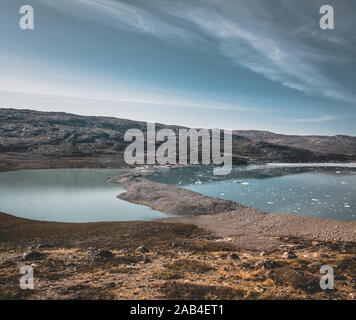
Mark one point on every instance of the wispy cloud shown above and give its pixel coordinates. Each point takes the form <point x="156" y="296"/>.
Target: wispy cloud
<point x="267" y="50"/>
<point x="243" y="31"/>
<point x="124" y="16"/>
<point x="323" y="118"/>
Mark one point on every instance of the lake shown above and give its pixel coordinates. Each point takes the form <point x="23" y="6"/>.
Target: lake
<point x="82" y="195"/>
<point x="68" y="195"/>
<point x="317" y="190"/>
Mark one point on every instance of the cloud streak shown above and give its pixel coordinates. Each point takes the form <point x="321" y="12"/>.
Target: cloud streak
<point x="323" y="118"/>
<point x="245" y="32"/>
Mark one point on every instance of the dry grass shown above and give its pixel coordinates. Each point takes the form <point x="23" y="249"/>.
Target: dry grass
<point x="179" y="264"/>
<point x="189" y="266"/>
<point x="191" y="291"/>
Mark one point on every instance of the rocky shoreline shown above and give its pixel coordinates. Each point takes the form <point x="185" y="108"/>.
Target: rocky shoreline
<point x="241" y="224"/>
<point x="211" y="249"/>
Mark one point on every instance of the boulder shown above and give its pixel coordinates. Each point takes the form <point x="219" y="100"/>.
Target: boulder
<point x="95" y="254"/>
<point x="33" y="255"/>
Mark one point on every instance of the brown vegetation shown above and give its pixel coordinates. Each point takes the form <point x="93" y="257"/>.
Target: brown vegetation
<point x="160" y="260"/>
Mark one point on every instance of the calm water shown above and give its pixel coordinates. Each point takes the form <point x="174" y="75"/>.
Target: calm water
<point x="82" y="195"/>
<point x="68" y="195"/>
<point x="317" y="190"/>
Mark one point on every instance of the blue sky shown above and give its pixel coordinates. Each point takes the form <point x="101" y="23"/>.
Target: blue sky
<point x="238" y="64"/>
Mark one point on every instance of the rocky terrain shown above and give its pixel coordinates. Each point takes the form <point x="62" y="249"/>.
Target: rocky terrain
<point x="216" y="249"/>
<point x="164" y="260"/>
<point x="170" y="199"/>
<point x="339" y="144"/>
<point x="248" y="227"/>
<point x="55" y="139"/>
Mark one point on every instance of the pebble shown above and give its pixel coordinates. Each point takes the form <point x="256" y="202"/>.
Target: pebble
<point x="288" y="255"/>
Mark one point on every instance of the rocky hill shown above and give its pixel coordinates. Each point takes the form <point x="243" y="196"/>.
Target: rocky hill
<point x="339" y="144"/>
<point x="56" y="135"/>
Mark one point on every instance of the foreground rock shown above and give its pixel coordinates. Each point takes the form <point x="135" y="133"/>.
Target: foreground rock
<point x="95" y="254"/>
<point x="33" y="255"/>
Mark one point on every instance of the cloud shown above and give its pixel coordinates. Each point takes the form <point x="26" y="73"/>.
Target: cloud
<point x="248" y="33"/>
<point x="323" y="118"/>
<point x="124" y="16"/>
<point x="267" y="50"/>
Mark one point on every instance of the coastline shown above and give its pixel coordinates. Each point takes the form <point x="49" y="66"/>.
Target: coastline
<point x="227" y="254"/>
<point x="239" y="224"/>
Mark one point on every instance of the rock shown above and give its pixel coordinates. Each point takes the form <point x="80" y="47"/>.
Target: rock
<point x="263" y="253"/>
<point x="288" y="255"/>
<point x="33" y="255"/>
<point x="94" y="254"/>
<point x="234" y="256"/>
<point x="71" y="260"/>
<point x="43" y="246"/>
<point x="142" y="249"/>
<point x="267" y="264"/>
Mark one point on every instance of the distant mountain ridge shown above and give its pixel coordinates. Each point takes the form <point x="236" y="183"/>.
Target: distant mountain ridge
<point x="339" y="144"/>
<point x="37" y="134"/>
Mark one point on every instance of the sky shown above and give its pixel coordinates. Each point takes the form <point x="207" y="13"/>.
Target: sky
<point x="232" y="64"/>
